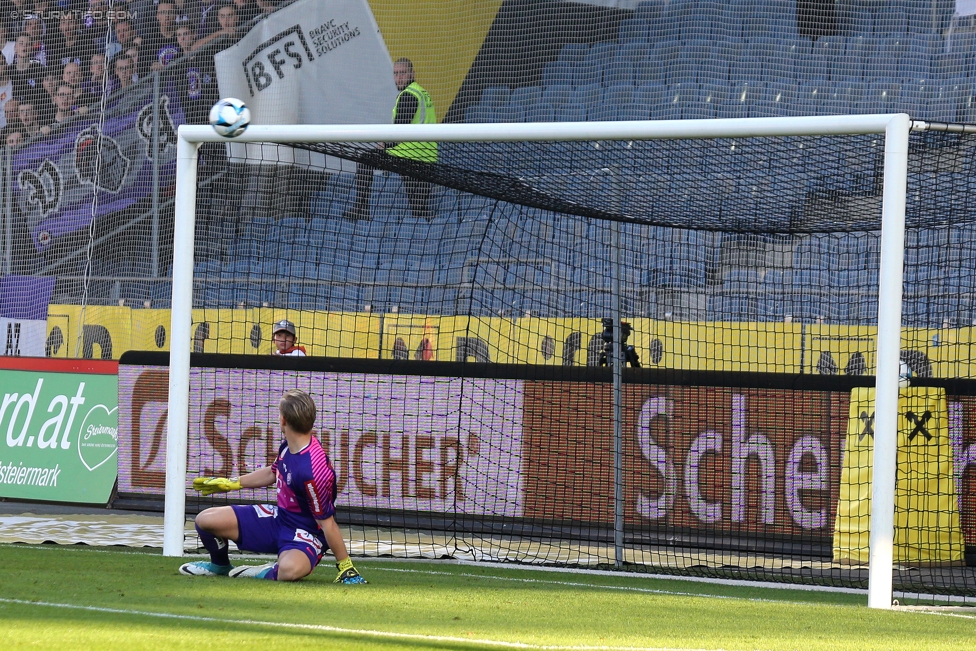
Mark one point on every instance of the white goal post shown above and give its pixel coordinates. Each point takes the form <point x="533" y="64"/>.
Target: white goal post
<point x="895" y="127"/>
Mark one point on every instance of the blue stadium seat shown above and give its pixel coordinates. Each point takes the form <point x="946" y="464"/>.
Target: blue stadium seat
<point x="585" y="95"/>
<point x="798" y="47"/>
<point x="846" y="66"/>
<point x="811" y="67"/>
<point x="915" y="93"/>
<point x="958" y="91"/>
<point x="345" y="298"/>
<point x="925" y="43"/>
<point x="778" y="100"/>
<point x="495" y="96"/>
<point x="573" y="52"/>
<point x="635" y="52"/>
<point x="698" y="109"/>
<point x="590" y="69"/>
<point x="756" y="26"/>
<point x="602" y="51"/>
<point x="846" y="96"/>
<point x="741" y="280"/>
<point x="291" y="229"/>
<point x="831" y="45"/>
<point x="714" y="70"/>
<point x="318" y="226"/>
<point x="648" y="10"/>
<point x="863" y="46"/>
<point x="695" y="27"/>
<point x="618" y="95"/>
<point x="890" y="20"/>
<point x="779" y="63"/>
<point x="715" y="94"/>
<point x="743" y="100"/>
<point x="478" y="113"/>
<point x="557" y="95"/>
<point x="588" y="72"/>
<point x="557" y="73"/>
<point x="961" y="43"/>
<point x="601" y="113"/>
<point x="879" y="97"/>
<point x="670" y="105"/>
<point x="893" y="46"/>
<point x="696" y="49"/>
<point x="662" y="29"/>
<point x="950" y="66"/>
<point x="245" y="250"/>
<point x="814" y="98"/>
<point x="632" y="30"/>
<point x="618" y="71"/>
<point x="915" y="313"/>
<point x="777" y="280"/>
<point x="682" y="71"/>
<point x="318" y="204"/>
<point x="509" y="113"/>
<point x="650" y="71"/>
<point x="634" y="111"/>
<point x="916" y="65"/>
<point x="805" y="307"/>
<point x="526" y="95"/>
<point x="747" y="68"/>
<point x="540" y="112"/>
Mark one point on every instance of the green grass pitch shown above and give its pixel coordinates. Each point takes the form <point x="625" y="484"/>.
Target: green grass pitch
<point x="90" y="598"/>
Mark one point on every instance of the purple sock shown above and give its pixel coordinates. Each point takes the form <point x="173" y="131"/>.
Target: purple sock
<point x="272" y="574"/>
<point x="216" y="546"/>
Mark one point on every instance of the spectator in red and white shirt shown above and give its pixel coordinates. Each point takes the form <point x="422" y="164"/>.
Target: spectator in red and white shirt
<point x="284" y="338"/>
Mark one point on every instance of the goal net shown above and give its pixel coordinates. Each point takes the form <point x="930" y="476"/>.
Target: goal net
<point x="481" y="397"/>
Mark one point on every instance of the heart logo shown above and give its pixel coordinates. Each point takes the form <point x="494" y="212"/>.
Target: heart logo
<point x="98" y="438"/>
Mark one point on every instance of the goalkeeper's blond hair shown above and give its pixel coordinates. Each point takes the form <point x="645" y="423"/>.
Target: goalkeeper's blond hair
<point x="298" y="410"/>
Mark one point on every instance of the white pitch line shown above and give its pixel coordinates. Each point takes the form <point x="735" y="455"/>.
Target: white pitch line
<point x="940" y="614"/>
<point x="572" y="584"/>
<point x="741" y="583"/>
<point x="345" y="631"/>
<point x="674" y="593"/>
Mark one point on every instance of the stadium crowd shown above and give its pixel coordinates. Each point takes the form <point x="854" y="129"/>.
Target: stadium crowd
<point x="68" y="58"/>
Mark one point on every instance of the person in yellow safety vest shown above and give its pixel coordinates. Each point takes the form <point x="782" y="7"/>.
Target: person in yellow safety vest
<point x="413" y="106"/>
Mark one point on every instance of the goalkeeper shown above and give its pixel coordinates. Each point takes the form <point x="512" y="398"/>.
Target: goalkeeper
<point x="299" y="529"/>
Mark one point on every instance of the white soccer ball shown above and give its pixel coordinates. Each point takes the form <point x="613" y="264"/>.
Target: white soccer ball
<point x="229" y="117"/>
<point x="904" y="376"/>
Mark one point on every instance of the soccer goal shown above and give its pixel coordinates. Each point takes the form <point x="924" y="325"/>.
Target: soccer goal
<point x="670" y="346"/>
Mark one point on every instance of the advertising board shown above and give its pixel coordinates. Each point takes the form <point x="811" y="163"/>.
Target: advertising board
<point x="58" y="429"/>
<point x="703" y="460"/>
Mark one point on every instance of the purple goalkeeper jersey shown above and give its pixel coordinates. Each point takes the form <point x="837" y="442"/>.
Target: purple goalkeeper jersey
<point x="306" y="486"/>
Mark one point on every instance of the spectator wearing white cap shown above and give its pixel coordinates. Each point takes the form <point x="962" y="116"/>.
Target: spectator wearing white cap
<point x="284" y="338"/>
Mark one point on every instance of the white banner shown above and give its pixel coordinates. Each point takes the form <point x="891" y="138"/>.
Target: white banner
<point x="312" y="62"/>
<point x="965" y="7"/>
<point x="24" y="338"/>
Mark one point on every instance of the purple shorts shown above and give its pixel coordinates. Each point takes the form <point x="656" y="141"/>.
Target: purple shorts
<point x="260" y="530"/>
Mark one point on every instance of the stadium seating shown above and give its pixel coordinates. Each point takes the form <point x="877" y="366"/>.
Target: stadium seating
<point x="670" y="60"/>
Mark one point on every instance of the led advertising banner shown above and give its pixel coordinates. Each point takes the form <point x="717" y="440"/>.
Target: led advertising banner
<point x="58" y="429"/>
<point x="397" y="442"/>
<point x="726" y="460"/>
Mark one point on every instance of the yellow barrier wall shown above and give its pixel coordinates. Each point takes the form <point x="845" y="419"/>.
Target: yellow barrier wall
<point x="107" y="332"/>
